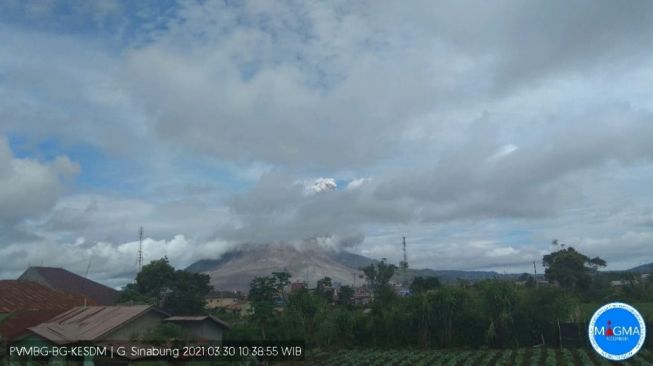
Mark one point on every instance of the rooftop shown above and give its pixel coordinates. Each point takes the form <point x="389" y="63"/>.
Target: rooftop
<point x="89" y="323"/>
<point x="61" y="279"/>
<point x="17" y="324"/>
<point x="197" y="318"/>
<point x="18" y="296"/>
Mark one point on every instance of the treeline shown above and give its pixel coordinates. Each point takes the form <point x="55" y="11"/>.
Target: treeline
<point x="492" y="313"/>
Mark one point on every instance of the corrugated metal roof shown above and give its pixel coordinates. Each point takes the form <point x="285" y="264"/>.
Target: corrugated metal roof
<point x="88" y="323"/>
<point x="187" y="318"/>
<point x="197" y="318"/>
<point x="59" y="278"/>
<point x="17" y="296"/>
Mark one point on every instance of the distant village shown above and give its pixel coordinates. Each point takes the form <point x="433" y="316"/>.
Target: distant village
<point x="55" y="306"/>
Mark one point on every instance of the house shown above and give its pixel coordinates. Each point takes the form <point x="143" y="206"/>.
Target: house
<point x="116" y="324"/>
<point x="61" y="279"/>
<point x="119" y="326"/>
<point x="202" y="328"/>
<point x="18" y="296"/>
<point x="228" y="301"/>
<point x="223" y="299"/>
<point x="24" y="304"/>
<point x="99" y="324"/>
<point x="362" y="296"/>
<point x="92" y="325"/>
<point x="241" y="309"/>
<point x="296" y="286"/>
<point x="630" y="280"/>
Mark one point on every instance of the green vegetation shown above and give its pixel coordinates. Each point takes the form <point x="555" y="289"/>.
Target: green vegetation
<point x="498" y="314"/>
<point x="436" y="325"/>
<point x="176" y="291"/>
<point x="264" y="293"/>
<point x="570" y="269"/>
<point x="423" y="284"/>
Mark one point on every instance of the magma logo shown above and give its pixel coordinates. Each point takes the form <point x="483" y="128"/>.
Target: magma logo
<point x="617" y="331"/>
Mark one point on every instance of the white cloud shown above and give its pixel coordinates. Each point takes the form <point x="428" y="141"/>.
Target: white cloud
<point x="503" y="151"/>
<point x="29" y="187"/>
<point x="356" y="183"/>
<point x="460" y="117"/>
<point x="114" y="264"/>
<point x="321" y="185"/>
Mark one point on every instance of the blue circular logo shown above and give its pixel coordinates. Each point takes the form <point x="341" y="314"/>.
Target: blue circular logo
<point x="617" y="331"/>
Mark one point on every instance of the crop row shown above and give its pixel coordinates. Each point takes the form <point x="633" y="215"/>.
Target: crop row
<point x="518" y="357"/>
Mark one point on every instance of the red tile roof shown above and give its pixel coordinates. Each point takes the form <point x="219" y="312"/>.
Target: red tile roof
<point x="61" y="279"/>
<point x="19" y="296"/>
<point x="16" y="325"/>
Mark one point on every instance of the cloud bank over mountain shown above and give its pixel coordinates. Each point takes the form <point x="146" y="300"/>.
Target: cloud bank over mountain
<point x="480" y="135"/>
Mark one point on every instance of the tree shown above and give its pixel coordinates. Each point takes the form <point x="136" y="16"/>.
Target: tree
<point x="281" y="280"/>
<point x="423" y="284"/>
<point x="152" y="283"/>
<point x="597" y="262"/>
<point x="305" y="308"/>
<point x="187" y="294"/>
<point x="500" y="303"/>
<point x="264" y="294"/>
<point x="570" y="269"/>
<point x="378" y="277"/>
<point x="346" y="295"/>
<point x="175" y="291"/>
<point x="324" y="288"/>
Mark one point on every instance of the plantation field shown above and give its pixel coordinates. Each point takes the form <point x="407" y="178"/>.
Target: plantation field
<point x="523" y="356"/>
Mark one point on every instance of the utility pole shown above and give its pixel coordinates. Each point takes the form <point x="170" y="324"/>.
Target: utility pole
<point x="140" y="248"/>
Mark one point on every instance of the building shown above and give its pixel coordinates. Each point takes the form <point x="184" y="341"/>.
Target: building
<point x="630" y="279"/>
<point x="232" y="302"/>
<point x="118" y="326"/>
<point x="123" y="323"/>
<point x="223" y="299"/>
<point x="97" y="324"/>
<point x="362" y="296"/>
<point x="202" y="328"/>
<point x="296" y="286"/>
<point x="24" y="304"/>
<point x="61" y="279"/>
<point x="19" y="296"/>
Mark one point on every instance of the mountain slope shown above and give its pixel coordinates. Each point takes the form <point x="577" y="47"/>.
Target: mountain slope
<point x="235" y="269"/>
<point x="644" y="268"/>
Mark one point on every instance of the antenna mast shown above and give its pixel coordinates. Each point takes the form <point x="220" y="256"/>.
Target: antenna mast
<point x="404" y="263"/>
<point x="140" y="248"/>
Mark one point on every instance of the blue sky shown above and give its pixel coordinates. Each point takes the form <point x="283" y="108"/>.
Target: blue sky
<point x="481" y="136"/>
